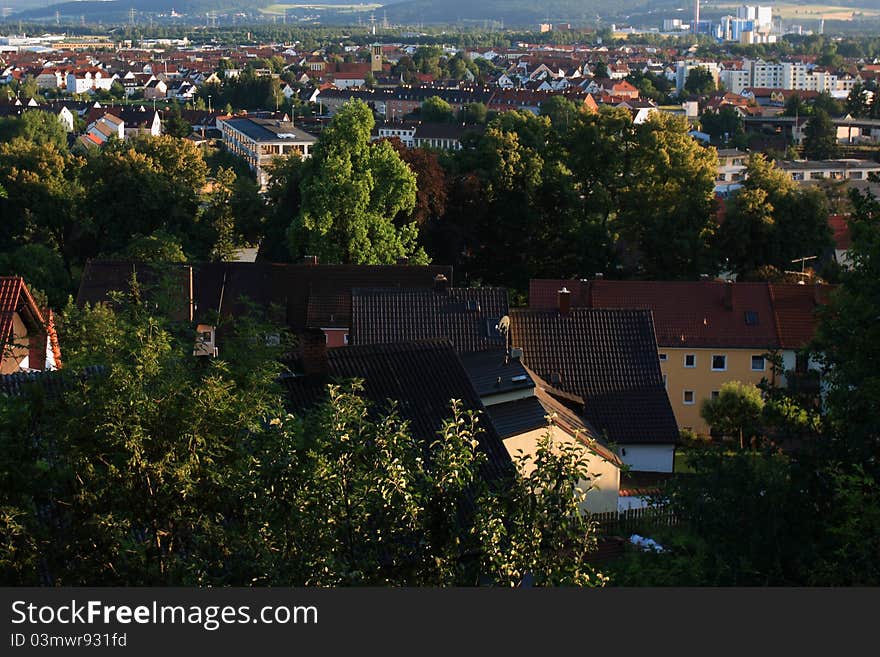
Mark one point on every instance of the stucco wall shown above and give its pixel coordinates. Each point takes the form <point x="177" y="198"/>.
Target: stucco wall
<point x="605" y="483"/>
<point x="17" y="350"/>
<point x="703" y="380"/>
<point x="648" y="458"/>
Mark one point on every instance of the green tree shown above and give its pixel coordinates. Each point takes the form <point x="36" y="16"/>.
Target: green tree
<point x="699" y="81"/>
<point x="473" y="113"/>
<point x="820" y="137"/>
<point x="158" y="247"/>
<point x="174" y="123"/>
<point x="847" y="343"/>
<point x="857" y="102"/>
<point x="674" y="176"/>
<point x="724" y="126"/>
<point x="352" y="189"/>
<point x="35" y="126"/>
<point x="436" y="110"/>
<point x="169" y="469"/>
<point x="736" y="411"/>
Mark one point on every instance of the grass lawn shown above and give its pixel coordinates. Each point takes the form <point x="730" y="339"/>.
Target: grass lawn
<point x="680" y="464"/>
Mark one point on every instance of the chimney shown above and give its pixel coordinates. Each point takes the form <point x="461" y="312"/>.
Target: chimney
<point x="441" y="284"/>
<point x="728" y="295"/>
<point x="310" y="260"/>
<point x="564" y="299"/>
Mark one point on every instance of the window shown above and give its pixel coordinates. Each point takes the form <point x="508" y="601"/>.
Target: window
<point x="719" y="363"/>
<point x="665" y="382"/>
<point x="751" y="318"/>
<point x="688" y="397"/>
<point x="758" y="364"/>
<point x="690" y="360"/>
<point x="715" y="394"/>
<point x="663" y="358"/>
<point x="345" y="338"/>
<point x="801" y="363"/>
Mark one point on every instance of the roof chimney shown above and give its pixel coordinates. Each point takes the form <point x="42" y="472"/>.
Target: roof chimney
<point x="441" y="284"/>
<point x="728" y="295"/>
<point x="310" y="260"/>
<point x="564" y="299"/>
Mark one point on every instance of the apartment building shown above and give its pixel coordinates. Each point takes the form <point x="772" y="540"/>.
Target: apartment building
<point x="258" y="141"/>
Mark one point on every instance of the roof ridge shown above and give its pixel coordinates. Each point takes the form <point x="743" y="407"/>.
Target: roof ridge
<point x="776" y="327"/>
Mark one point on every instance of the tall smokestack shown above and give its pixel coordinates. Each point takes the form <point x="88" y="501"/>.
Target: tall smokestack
<point x="696" y="15"/>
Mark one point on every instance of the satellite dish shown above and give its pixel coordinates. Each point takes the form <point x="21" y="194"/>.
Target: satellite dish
<point x="504" y="325"/>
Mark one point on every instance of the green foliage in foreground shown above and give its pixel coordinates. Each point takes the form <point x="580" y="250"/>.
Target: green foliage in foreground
<point x="169" y="469"/>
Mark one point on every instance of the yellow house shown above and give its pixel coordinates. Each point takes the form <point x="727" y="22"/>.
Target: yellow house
<point x="523" y="408"/>
<point x="566" y="427"/>
<point x="708" y="332"/>
<point x="693" y="374"/>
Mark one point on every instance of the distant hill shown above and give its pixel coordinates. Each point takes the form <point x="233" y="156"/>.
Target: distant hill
<point x="525" y="13"/>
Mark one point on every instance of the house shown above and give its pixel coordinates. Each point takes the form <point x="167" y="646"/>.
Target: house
<point x="795" y="312"/>
<point x="524" y="408"/>
<point x="607" y="358"/>
<point x="468" y="317"/>
<point x="842" y="239"/>
<point x="155" y="89"/>
<point x="28" y="341"/>
<point x="731" y="170"/>
<point x="445" y="136"/>
<point x="51" y="78"/>
<point x="106" y="127"/>
<point x="259" y="141"/>
<point x="313" y="301"/>
<point x="844" y="169"/>
<point x="517" y="401"/>
<point x="402" y="130"/>
<point x="707" y="332"/>
<point x="89" y="79"/>
<point x="395" y="374"/>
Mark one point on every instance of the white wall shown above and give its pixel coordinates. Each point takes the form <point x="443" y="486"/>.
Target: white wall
<point x="602" y="497"/>
<point x="647" y="458"/>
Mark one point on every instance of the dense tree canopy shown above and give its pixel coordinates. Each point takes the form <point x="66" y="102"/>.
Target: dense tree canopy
<point x="162" y="468"/>
<point x="352" y="189"/>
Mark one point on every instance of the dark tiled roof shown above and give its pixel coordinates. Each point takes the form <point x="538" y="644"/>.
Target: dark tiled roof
<point x="607" y="357"/>
<point x="421" y="377"/>
<point x="465" y="316"/>
<point x="519" y="416"/>
<point x="288" y="286"/>
<point x="686" y="313"/>
<point x="269" y="130"/>
<point x="51" y="382"/>
<point x="492" y="373"/>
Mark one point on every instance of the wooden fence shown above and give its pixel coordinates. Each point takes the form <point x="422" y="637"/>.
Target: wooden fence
<point x="631" y="521"/>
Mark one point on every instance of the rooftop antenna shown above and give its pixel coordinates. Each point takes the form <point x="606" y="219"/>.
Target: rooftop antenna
<point x="802" y="272"/>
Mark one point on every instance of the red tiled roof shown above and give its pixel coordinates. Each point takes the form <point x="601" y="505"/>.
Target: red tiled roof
<point x="16" y="298"/>
<point x="694" y="313"/>
<point x="794" y="309"/>
<point x="840" y="231"/>
<point x="687" y="313"/>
